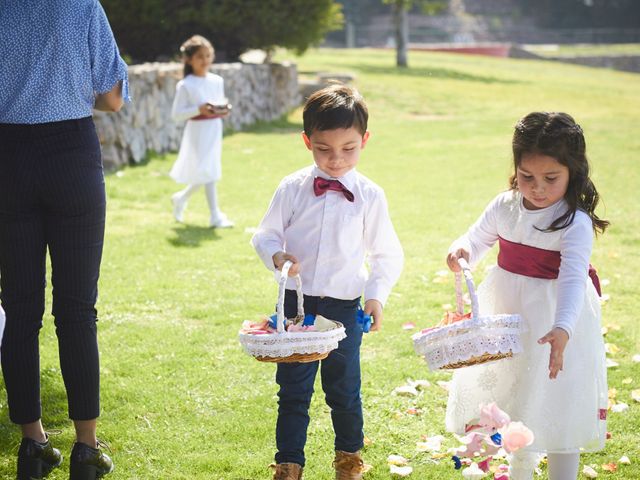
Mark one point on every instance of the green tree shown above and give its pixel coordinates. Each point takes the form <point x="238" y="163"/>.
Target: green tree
<point x="151" y="29"/>
<point x="401" y="22"/>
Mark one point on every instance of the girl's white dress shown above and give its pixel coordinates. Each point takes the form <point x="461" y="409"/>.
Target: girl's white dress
<point x="566" y="415"/>
<point x="201" y="148"/>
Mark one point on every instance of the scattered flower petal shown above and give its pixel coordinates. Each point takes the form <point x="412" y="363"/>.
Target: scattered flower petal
<point x="624" y="460"/>
<point x="635" y="395"/>
<point x="250" y="230"/>
<point x="515" y="436"/>
<point x="484" y="464"/>
<point x="611" y="348"/>
<point x="400" y="471"/>
<point x="613" y="392"/>
<point x="367" y="441"/>
<point x="431" y="444"/>
<point x="408" y="326"/>
<point x="619" y="407"/>
<point x="605" y="298"/>
<point x="627" y="381"/>
<point x="636" y="359"/>
<point x="419" y="384"/>
<point x="604" y="330"/>
<point x="604" y="282"/>
<point x="501" y="476"/>
<point x="473" y="472"/>
<point x="397" y="460"/>
<point x="609" y="467"/>
<point x="405" y="391"/>
<point x="589" y="472"/>
<point x="491" y="416"/>
<point x="447" y="306"/>
<point x="611" y="363"/>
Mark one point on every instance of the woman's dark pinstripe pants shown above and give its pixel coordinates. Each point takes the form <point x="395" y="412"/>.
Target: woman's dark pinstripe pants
<point x="52" y="197"/>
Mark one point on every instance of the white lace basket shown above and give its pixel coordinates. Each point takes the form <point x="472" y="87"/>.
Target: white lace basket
<point x="462" y="343"/>
<point x="288" y="347"/>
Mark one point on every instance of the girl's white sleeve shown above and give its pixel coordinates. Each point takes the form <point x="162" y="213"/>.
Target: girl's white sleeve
<point x="482" y="235"/>
<point x="269" y="237"/>
<point x="575" y="251"/>
<point x="183" y="108"/>
<point x="383" y="250"/>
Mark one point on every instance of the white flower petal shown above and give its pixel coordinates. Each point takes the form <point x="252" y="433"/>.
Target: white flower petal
<point x="619" y="407"/>
<point x="624" y="460"/>
<point x="400" y="471"/>
<point x="589" y="472"/>
<point x="405" y="391"/>
<point x="398" y="460"/>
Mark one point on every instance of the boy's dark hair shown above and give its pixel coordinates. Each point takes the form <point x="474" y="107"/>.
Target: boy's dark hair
<point x="557" y="135"/>
<point x="190" y="47"/>
<point x="335" y="106"/>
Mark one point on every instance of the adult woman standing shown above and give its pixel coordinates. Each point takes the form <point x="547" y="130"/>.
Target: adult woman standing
<point x="59" y="61"/>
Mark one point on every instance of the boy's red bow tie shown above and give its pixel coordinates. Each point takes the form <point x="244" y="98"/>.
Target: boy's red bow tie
<point x="321" y="185"/>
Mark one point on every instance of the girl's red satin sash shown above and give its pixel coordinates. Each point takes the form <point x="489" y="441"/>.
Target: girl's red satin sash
<point x="534" y="262"/>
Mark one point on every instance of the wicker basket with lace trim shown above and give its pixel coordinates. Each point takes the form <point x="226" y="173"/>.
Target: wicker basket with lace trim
<point x="461" y="340"/>
<point x="288" y="347"/>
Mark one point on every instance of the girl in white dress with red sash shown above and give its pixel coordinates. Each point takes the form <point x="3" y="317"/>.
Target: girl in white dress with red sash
<point x="545" y="226"/>
<point x="201" y="102"/>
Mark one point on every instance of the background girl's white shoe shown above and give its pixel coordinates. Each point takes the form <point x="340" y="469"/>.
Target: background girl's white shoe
<point x="220" y="221"/>
<point x="178" y="206"/>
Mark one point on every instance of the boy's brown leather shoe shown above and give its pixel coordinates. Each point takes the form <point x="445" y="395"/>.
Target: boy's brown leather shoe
<point x="286" y="471"/>
<point x="349" y="466"/>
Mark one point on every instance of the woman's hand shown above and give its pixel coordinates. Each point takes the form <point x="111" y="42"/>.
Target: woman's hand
<point x="374" y="308"/>
<point x="558" y="339"/>
<point x="280" y="258"/>
<point x="452" y="259"/>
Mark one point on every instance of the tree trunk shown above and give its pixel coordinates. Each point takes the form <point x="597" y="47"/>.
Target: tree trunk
<point x="401" y="22"/>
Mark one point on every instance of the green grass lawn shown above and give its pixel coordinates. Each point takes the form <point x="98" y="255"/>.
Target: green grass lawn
<point x="181" y="400"/>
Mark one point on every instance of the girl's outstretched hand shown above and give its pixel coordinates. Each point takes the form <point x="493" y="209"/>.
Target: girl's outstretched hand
<point x="374" y="308"/>
<point x="558" y="339"/>
<point x="280" y="257"/>
<point x="452" y="259"/>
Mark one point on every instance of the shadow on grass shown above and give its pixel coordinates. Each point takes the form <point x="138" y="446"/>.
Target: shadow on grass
<point x="431" y="72"/>
<point x="54" y="411"/>
<point x="192" y="235"/>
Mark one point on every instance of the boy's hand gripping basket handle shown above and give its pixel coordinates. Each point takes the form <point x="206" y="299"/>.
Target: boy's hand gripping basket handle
<point x="284" y="274"/>
<point x="466" y="271"/>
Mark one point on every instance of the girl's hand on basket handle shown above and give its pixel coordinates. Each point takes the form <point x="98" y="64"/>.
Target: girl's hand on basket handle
<point x="558" y="339"/>
<point x="374" y="308"/>
<point x="452" y="259"/>
<point x="280" y="257"/>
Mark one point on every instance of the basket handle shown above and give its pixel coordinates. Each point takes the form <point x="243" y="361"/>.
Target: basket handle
<point x="284" y="274"/>
<point x="466" y="271"/>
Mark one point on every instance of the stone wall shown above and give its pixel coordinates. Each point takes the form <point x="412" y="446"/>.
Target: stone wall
<point x="256" y="91"/>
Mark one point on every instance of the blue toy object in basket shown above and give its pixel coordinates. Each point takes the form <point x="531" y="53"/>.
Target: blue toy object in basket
<point x="309" y="319"/>
<point x="362" y="318"/>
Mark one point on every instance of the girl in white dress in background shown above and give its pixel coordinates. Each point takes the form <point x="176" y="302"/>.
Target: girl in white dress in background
<point x="199" y="100"/>
<point x="545" y="226"/>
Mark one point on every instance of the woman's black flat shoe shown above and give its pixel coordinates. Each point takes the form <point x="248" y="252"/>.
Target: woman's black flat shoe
<point x="88" y="463"/>
<point x="36" y="460"/>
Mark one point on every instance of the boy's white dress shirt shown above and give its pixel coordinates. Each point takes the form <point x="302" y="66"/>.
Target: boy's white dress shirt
<point x="332" y="237"/>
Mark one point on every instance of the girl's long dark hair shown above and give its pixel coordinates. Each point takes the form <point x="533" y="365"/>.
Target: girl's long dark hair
<point x="190" y="47"/>
<point x="557" y="135"/>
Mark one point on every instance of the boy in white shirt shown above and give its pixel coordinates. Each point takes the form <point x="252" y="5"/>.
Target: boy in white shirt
<point x="327" y="219"/>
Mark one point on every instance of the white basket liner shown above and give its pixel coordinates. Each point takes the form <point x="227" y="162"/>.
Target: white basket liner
<point x="464" y="339"/>
<point x="285" y="344"/>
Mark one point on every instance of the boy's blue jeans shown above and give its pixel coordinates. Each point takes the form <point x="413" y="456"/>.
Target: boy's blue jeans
<point x="340" y="373"/>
